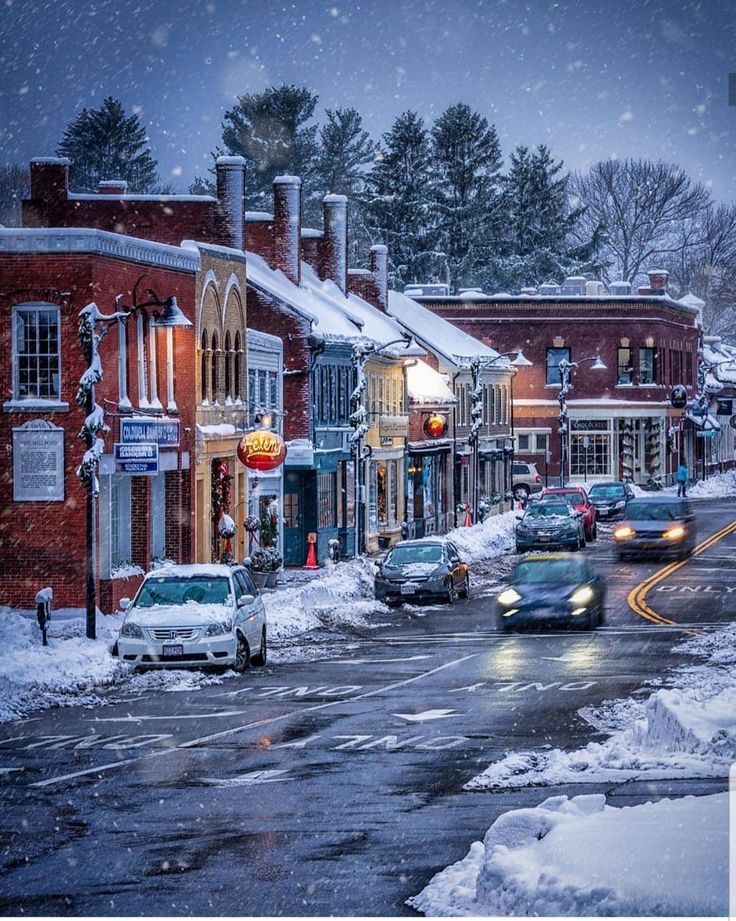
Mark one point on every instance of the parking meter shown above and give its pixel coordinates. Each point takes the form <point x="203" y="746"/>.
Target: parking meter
<point x="43" y="612"/>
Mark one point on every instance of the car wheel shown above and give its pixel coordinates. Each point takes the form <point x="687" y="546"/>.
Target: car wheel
<point x="595" y="531"/>
<point x="521" y="492"/>
<point x="242" y="656"/>
<point x="601" y="615"/>
<point x="465" y="590"/>
<point x="260" y="658"/>
<point x="451" y="594"/>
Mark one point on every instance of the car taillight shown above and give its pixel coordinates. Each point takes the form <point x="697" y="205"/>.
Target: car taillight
<point x="537" y="479"/>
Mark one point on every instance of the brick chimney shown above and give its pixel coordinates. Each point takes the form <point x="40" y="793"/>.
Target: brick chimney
<point x="287" y="220"/>
<point x="230" y="173"/>
<point x="658" y="281"/>
<point x="335" y="240"/>
<point x="50" y="178"/>
<point x="379" y="268"/>
<point x="112" y="187"/>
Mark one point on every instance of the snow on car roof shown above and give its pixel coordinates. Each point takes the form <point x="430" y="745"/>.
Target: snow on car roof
<point x="191" y="570"/>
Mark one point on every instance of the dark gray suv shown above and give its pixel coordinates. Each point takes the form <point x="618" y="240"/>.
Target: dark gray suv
<point x="657" y="526"/>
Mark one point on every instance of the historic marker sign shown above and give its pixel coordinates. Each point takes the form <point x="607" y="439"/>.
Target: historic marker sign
<point x="38" y="462"/>
<point x="262" y="450"/>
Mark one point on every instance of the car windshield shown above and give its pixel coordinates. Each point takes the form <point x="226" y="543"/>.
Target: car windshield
<point x="655" y="511"/>
<point x="607" y="491"/>
<point x="572" y="498"/>
<point x="547" y="510"/>
<point x="414" y="553"/>
<point x="177" y="590"/>
<point x="536" y="572"/>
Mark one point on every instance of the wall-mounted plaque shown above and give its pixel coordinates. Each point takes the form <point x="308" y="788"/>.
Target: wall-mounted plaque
<point x="38" y="462"/>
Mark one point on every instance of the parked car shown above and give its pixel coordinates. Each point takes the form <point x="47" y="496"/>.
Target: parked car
<point x="421" y="570"/>
<point x="194" y="615"/>
<point x="547" y="524"/>
<point x="552" y="587"/>
<point x="577" y="497"/>
<point x="610" y="499"/>
<point x="657" y="526"/>
<point x="525" y="479"/>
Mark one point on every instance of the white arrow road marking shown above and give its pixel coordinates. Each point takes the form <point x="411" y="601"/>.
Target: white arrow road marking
<point x="244" y="780"/>
<point x="566" y="658"/>
<point x="425" y="715"/>
<point x="11" y="770"/>
<point x="302" y="743"/>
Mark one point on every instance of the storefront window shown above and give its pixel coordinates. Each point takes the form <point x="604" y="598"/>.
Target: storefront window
<point x="326" y="500"/>
<point x="372" y="498"/>
<point x="590" y="454"/>
<point x="382" y="494"/>
<point x="393" y="483"/>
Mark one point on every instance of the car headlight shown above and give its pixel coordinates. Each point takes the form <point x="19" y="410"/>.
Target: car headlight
<point x="217" y="629"/>
<point x="509" y="597"/>
<point x="583" y="596"/>
<point x="624" y="532"/>
<point x="132" y="631"/>
<point x="676" y="533"/>
<point x="620" y="504"/>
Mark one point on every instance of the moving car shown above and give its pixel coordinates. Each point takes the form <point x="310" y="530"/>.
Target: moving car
<point x="547" y="524"/>
<point x="546" y="587"/>
<point x="525" y="479"/>
<point x="577" y="497"/>
<point x="422" y="569"/>
<point x="657" y="526"/>
<point x="610" y="499"/>
<point x="194" y="615"/>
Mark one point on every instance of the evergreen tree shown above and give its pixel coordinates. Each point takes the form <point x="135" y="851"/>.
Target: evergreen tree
<point x="104" y="144"/>
<point x="467" y="160"/>
<point x="397" y="203"/>
<point x="345" y="149"/>
<point x="270" y="130"/>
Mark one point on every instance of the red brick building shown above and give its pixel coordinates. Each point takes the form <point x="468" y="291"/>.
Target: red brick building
<point x="621" y="420"/>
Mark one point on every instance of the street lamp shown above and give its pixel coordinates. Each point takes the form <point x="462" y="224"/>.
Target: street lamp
<point x="363" y="351"/>
<point x="566" y="368"/>
<point x="477" y="365"/>
<point x="93" y="327"/>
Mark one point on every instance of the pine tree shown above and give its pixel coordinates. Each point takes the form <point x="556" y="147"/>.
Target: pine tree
<point x="105" y="144"/>
<point x="467" y="158"/>
<point x="397" y="203"/>
<point x="345" y="149"/>
<point x="270" y="130"/>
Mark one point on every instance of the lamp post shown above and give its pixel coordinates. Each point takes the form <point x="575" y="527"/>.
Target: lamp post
<point x="477" y="365"/>
<point x="363" y="351"/>
<point x="565" y="369"/>
<point x="93" y="327"/>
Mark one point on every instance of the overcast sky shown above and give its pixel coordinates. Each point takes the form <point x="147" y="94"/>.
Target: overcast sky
<point x="592" y="78"/>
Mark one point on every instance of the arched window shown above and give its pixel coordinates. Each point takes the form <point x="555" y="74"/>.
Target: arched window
<point x="214" y="376"/>
<point x="228" y="366"/>
<point x="204" y="367"/>
<point x="238" y="367"/>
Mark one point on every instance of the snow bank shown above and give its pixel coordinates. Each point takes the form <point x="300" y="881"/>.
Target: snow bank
<point x="492" y="537"/>
<point x="688" y="730"/>
<point x="581" y="857"/>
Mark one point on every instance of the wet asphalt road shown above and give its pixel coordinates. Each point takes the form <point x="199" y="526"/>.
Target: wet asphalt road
<point x="333" y="786"/>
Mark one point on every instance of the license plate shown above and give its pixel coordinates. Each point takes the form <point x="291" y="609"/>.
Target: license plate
<point x="545" y="537"/>
<point x="173" y="650"/>
<point x="408" y="588"/>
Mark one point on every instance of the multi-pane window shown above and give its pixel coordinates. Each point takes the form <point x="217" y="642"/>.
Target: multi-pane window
<point x="326" y="500"/>
<point x="37" y="351"/>
<point x="624" y="369"/>
<point x="554" y="357"/>
<point x="647" y="366"/>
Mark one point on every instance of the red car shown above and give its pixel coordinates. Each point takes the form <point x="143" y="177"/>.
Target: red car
<point x="577" y="497"/>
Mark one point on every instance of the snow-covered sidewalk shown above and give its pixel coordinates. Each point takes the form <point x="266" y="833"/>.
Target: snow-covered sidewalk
<point x="72" y="669"/>
<point x="581" y="857"/>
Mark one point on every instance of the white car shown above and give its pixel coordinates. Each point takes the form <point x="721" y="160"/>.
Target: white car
<point x="194" y="615"/>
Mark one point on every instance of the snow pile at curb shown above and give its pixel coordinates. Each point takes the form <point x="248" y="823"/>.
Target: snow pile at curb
<point x="720" y="486"/>
<point x="339" y="597"/>
<point x="492" y="537"/>
<point x="65" y="673"/>
<point x="581" y="857"/>
<point x="688" y="730"/>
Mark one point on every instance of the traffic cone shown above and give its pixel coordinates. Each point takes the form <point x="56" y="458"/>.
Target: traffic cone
<point x="311" y="554"/>
<point x="468" y="517"/>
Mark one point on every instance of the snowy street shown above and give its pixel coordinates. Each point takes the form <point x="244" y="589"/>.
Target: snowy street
<point x="342" y="782"/>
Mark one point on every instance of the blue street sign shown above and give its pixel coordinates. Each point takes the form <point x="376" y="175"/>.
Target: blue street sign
<point x="164" y="432"/>
<point x="711" y="433"/>
<point x="136" y="459"/>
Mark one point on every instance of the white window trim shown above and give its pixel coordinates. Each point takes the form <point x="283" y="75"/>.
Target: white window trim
<point x="170" y="401"/>
<point x="141" y="353"/>
<point x="153" y="366"/>
<point x="123" y="398"/>
<point x="43" y="404"/>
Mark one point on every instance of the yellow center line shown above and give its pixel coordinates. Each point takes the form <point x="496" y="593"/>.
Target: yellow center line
<point x="636" y="598"/>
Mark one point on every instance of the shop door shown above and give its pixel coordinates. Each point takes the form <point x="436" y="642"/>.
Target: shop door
<point x="294" y="530"/>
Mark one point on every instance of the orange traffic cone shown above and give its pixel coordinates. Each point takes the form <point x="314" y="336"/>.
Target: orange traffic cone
<point x="311" y="552"/>
<point x="468" y="517"/>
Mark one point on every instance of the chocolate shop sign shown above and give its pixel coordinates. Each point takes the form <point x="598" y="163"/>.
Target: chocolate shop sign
<point x="589" y="425"/>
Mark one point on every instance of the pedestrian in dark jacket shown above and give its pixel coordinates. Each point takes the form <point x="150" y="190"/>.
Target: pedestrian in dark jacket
<point x="681" y="478"/>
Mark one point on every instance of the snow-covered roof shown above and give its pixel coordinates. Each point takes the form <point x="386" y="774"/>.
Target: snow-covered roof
<point x="690" y="300"/>
<point x="258" y="216"/>
<point x="435" y="333"/>
<point x="376" y="325"/>
<point x="425" y="385"/>
<point x="722" y="358"/>
<point x="327" y="319"/>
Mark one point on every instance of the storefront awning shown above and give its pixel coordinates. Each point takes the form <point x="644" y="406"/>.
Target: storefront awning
<point x="708" y="423"/>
